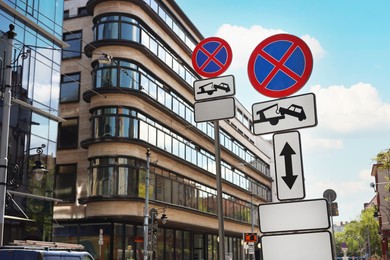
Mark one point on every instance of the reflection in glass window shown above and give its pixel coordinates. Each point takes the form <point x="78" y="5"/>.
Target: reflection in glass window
<point x="114" y="122"/>
<point x="120" y="73"/>
<point x="70" y="85"/>
<point x="39" y="125"/>
<point x="73" y="39"/>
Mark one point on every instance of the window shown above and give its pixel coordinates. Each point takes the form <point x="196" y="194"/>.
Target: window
<point x="65" y="182"/>
<point x="73" y="39"/>
<point x="82" y="11"/>
<point x="70" y="85"/>
<point x="68" y="133"/>
<point x="30" y="7"/>
<point x="66" y="14"/>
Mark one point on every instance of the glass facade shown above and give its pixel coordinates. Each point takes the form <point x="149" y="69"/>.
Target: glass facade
<point x="36" y="60"/>
<point x="46" y="14"/>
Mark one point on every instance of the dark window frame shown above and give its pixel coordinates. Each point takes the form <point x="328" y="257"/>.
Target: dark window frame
<point x="72" y="39"/>
<point x="67" y="79"/>
<point x="67" y="198"/>
<point x="66" y="144"/>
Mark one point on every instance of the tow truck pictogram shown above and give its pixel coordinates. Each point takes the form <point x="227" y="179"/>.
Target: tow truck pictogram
<point x="273" y="113"/>
<point x="210" y="88"/>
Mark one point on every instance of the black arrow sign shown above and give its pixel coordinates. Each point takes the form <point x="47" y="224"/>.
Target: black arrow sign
<point x="287" y="152"/>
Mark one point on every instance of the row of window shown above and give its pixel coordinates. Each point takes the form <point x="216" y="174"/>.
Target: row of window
<point x="124" y="27"/>
<point x="109" y="76"/>
<point x="121" y="240"/>
<point x="81" y="11"/>
<point x="115" y="76"/>
<point x="123" y="122"/>
<point x="170" y="21"/>
<point x="122" y="176"/>
<point x="134" y="125"/>
<point x="124" y="74"/>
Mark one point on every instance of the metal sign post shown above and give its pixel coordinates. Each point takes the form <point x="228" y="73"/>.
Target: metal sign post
<point x="221" y="230"/>
<point x="210" y="58"/>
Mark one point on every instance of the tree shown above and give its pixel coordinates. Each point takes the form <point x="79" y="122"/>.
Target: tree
<point x="361" y="236"/>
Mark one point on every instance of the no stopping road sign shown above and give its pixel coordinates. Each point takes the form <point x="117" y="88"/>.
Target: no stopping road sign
<point x="280" y="65"/>
<point x="211" y="57"/>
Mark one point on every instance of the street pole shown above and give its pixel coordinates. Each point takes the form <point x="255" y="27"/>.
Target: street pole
<point x="146" y="212"/>
<point x="252" y="222"/>
<point x="6" y="68"/>
<point x="221" y="232"/>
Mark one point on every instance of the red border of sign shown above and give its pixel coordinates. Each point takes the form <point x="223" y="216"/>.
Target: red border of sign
<point x="224" y="67"/>
<point x="300" y="81"/>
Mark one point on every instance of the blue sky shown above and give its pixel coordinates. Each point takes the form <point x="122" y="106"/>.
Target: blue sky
<point x="350" y="43"/>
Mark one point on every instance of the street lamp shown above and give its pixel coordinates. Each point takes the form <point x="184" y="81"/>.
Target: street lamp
<point x="374" y="185"/>
<point x="153" y="229"/>
<point x="39" y="170"/>
<point x="146" y="206"/>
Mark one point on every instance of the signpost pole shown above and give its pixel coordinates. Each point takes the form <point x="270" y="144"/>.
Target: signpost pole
<point x="221" y="232"/>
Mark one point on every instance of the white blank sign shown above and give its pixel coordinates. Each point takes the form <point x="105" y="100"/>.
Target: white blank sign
<point x="294" y="216"/>
<point x="299" y="246"/>
<point x="214" y="110"/>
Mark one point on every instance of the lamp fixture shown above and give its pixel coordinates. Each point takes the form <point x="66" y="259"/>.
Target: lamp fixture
<point x="164" y="218"/>
<point x="39" y="170"/>
<point x="374" y="185"/>
<point x="15" y="169"/>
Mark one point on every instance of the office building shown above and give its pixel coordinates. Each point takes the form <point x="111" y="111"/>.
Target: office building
<point x="30" y="68"/>
<point x="127" y="98"/>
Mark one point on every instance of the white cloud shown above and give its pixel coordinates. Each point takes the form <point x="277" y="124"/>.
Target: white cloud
<point x="354" y="109"/>
<point x="243" y="41"/>
<point x="351" y="194"/>
<point x="321" y="144"/>
<point x="315" y="47"/>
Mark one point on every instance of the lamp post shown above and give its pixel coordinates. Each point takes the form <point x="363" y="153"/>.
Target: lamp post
<point x="8" y="37"/>
<point x="153" y="213"/>
<point x="146" y="214"/>
<point x="330" y="195"/>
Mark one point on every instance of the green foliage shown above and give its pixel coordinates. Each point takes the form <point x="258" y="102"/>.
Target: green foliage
<point x="383" y="158"/>
<point x="361" y="236"/>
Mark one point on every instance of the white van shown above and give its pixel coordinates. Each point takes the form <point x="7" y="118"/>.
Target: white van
<point x="42" y="254"/>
